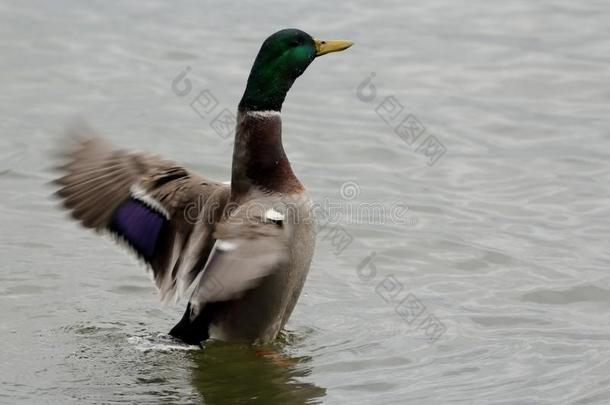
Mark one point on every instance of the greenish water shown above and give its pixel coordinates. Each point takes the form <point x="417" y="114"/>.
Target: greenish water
<point x="478" y="273"/>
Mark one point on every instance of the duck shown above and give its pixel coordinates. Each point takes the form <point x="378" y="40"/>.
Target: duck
<point x="239" y="251"/>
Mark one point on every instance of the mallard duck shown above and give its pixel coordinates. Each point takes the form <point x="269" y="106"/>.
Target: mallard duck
<point x="240" y="251"/>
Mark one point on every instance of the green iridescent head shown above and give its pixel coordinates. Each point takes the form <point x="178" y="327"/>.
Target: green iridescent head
<point x="283" y="57"/>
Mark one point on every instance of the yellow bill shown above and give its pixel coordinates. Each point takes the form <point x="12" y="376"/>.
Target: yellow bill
<point x="334" y="45"/>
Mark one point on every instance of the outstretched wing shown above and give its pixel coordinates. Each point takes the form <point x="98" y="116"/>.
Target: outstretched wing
<point x="164" y="212"/>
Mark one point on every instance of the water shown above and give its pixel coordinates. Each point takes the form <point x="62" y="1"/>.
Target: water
<point x="504" y="241"/>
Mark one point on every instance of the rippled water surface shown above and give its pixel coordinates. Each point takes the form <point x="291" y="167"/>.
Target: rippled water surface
<point x="485" y="281"/>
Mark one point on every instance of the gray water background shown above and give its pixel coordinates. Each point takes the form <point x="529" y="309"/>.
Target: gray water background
<point x="505" y="242"/>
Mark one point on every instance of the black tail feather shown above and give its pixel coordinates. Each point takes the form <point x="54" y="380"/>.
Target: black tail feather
<point x="193" y="331"/>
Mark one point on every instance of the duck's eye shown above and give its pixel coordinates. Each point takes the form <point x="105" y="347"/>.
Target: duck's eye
<point x="294" y="43"/>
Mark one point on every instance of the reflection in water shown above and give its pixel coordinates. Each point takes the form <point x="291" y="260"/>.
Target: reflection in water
<point x="226" y="373"/>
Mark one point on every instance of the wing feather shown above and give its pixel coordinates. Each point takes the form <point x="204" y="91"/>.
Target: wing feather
<point x="249" y="247"/>
<point x="143" y="200"/>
